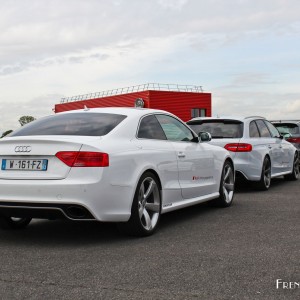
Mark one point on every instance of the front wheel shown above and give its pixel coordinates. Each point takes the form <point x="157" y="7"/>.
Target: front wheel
<point x="295" y="172"/>
<point x="265" y="177"/>
<point x="146" y="207"/>
<point x="226" y="185"/>
<point x="13" y="223"/>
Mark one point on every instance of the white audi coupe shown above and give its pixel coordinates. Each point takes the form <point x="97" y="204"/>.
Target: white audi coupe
<point x="123" y="165"/>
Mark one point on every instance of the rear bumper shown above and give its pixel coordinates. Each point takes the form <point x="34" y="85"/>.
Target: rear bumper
<point x="49" y="211"/>
<point x="69" y="199"/>
<point x="247" y="166"/>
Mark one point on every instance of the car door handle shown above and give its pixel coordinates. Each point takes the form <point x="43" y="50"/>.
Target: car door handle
<point x="181" y="154"/>
<point x="270" y="147"/>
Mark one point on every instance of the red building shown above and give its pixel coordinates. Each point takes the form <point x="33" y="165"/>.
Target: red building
<point x="184" y="101"/>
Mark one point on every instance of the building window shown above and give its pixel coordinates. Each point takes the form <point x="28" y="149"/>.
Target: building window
<point x="198" y="112"/>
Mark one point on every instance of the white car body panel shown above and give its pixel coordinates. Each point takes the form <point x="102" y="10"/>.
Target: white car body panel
<point x="197" y="166"/>
<point x="250" y="164"/>
<point x="107" y="192"/>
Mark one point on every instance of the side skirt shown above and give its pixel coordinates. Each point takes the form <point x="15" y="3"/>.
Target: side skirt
<point x="189" y="202"/>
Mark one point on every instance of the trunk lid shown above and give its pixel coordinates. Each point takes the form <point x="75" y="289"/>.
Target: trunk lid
<point x="33" y="157"/>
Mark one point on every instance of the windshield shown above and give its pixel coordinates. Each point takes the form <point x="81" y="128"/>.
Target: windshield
<point x="218" y="128"/>
<point x="287" y="128"/>
<point x="85" y="124"/>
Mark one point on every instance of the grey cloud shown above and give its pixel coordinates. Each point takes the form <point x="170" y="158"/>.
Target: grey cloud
<point x="172" y="4"/>
<point x="56" y="28"/>
<point x="35" y="34"/>
<point x="99" y="56"/>
<point x="8" y="70"/>
<point x="76" y="59"/>
<point x="250" y="79"/>
<point x="81" y="59"/>
<point x="23" y="66"/>
<point x="261" y="103"/>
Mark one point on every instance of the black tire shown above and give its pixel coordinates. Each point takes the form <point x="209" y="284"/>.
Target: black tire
<point x="13" y="223"/>
<point x="295" y="172"/>
<point x="146" y="207"/>
<point x="227" y="185"/>
<point x="265" y="178"/>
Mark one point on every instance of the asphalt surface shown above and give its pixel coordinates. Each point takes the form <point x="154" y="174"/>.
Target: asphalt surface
<point x="197" y="253"/>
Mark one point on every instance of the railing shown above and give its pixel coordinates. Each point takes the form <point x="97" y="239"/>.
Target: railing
<point x="136" y="88"/>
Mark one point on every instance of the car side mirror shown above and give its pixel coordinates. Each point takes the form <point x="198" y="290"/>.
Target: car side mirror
<point x="284" y="135"/>
<point x="204" y="136"/>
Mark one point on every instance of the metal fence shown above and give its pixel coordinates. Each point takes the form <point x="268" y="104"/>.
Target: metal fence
<point x="136" y="88"/>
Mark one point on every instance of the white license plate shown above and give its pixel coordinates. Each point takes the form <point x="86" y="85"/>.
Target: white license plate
<point x="25" y="164"/>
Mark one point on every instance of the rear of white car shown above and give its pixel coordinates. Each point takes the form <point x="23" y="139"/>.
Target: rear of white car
<point x="124" y="165"/>
<point x="227" y="133"/>
<point x="258" y="150"/>
<point x="60" y="175"/>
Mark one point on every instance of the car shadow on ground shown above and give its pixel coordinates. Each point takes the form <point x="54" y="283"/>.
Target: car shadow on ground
<point x="63" y="233"/>
<point x="68" y="233"/>
<point x="244" y="186"/>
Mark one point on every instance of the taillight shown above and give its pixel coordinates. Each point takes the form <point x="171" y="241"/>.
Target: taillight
<point x="294" y="140"/>
<point x="239" y="147"/>
<point x="83" y="159"/>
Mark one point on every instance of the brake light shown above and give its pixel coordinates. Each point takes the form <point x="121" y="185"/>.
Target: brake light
<point x="239" y="147"/>
<point x="294" y="140"/>
<point x="83" y="159"/>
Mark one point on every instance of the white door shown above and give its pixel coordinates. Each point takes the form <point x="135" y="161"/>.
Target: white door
<point x="273" y="144"/>
<point x="196" y="169"/>
<point x="195" y="160"/>
<point x="287" y="154"/>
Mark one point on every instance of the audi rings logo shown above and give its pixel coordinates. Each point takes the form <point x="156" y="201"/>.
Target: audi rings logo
<point x="22" y="149"/>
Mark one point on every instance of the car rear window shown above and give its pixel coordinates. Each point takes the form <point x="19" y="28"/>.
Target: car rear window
<point x="85" y="124"/>
<point x="219" y="128"/>
<point x="285" y="128"/>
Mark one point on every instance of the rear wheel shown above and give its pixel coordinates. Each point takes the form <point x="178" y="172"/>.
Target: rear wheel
<point x="13" y="223"/>
<point x="265" y="178"/>
<point x="226" y="186"/>
<point x="295" y="172"/>
<point x="146" y="207"/>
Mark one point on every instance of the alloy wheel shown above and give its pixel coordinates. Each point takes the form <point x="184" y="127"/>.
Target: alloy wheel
<point x="228" y="183"/>
<point x="267" y="173"/>
<point x="149" y="203"/>
<point x="296" y="166"/>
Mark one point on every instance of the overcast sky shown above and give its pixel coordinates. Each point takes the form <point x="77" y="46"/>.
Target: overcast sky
<point x="245" y="52"/>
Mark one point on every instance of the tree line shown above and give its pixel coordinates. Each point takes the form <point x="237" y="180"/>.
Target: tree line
<point x="23" y="121"/>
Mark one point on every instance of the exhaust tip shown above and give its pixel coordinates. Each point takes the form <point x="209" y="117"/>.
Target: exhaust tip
<point x="76" y="212"/>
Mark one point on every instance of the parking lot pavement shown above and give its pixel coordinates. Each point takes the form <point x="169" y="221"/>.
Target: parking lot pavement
<point x="197" y="253"/>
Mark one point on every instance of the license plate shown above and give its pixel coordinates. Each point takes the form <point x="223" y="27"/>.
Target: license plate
<point x="25" y="164"/>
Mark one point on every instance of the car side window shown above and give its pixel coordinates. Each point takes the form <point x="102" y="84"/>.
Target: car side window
<point x="274" y="132"/>
<point x="263" y="129"/>
<point x="174" y="129"/>
<point x="253" y="130"/>
<point x="150" y="129"/>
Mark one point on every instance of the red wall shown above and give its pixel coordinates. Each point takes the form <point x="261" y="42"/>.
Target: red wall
<point x="123" y="100"/>
<point x="178" y="103"/>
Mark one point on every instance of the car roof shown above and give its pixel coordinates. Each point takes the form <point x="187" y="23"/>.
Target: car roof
<point x="285" y="121"/>
<point x="238" y="118"/>
<point x="129" y="111"/>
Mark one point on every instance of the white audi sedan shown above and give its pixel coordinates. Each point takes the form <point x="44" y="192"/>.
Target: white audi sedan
<point x="258" y="150"/>
<point x="124" y="165"/>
